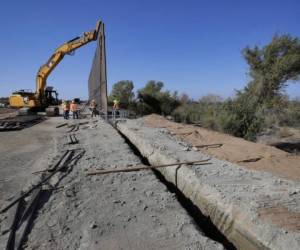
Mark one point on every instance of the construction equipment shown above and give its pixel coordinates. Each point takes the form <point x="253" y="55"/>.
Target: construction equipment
<point x="45" y="98"/>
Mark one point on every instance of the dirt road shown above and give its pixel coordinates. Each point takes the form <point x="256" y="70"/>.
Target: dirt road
<point x="115" y="211"/>
<point x="23" y="152"/>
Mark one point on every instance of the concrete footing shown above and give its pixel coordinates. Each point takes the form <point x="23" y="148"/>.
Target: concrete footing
<point x="244" y="205"/>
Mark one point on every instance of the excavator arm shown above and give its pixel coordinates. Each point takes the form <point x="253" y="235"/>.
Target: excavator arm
<point x="66" y="48"/>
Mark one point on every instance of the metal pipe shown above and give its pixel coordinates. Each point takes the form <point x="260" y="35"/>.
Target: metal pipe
<point x="201" y="162"/>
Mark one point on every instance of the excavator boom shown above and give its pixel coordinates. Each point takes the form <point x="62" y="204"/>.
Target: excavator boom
<point x="66" y="48"/>
<point x="42" y="98"/>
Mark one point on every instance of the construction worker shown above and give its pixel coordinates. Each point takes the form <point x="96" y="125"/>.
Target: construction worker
<point x="66" y="109"/>
<point x="74" y="110"/>
<point x="115" y="106"/>
<point x="93" y="107"/>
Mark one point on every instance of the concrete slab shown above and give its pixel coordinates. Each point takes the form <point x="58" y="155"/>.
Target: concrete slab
<point x="244" y="204"/>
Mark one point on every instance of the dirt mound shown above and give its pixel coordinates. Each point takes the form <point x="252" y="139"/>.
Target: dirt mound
<point x="251" y="155"/>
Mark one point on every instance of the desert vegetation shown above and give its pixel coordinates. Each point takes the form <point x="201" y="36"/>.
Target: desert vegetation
<point x="262" y="104"/>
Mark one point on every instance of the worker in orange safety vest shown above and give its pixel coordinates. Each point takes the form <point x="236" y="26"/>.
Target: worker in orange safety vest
<point x="93" y="107"/>
<point x="66" y="109"/>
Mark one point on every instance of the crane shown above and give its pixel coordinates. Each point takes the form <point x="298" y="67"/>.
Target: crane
<point x="44" y="96"/>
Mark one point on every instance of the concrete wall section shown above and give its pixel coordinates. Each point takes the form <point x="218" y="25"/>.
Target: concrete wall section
<point x="97" y="83"/>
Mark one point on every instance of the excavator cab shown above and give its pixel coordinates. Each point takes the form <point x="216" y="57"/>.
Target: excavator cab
<point x="52" y="102"/>
<point x="51" y="96"/>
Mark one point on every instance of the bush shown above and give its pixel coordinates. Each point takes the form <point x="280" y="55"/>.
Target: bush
<point x="200" y="113"/>
<point x="187" y="113"/>
<point x="240" y="118"/>
<point x="291" y="115"/>
<point x="123" y="92"/>
<point x="153" y="100"/>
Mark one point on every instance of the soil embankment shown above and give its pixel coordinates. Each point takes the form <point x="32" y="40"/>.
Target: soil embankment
<point x="251" y="155"/>
<point x="247" y="202"/>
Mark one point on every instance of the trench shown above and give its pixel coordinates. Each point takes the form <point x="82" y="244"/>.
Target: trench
<point x="202" y="222"/>
<point x="290" y="147"/>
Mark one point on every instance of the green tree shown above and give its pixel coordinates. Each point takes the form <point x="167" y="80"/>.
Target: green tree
<point x="123" y="91"/>
<point x="154" y="100"/>
<point x="211" y="99"/>
<point x="152" y="88"/>
<point x="184" y="98"/>
<point x="270" y="68"/>
<point x="149" y="97"/>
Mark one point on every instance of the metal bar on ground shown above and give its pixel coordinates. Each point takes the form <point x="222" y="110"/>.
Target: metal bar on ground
<point x="52" y="169"/>
<point x="78" y="156"/>
<point x="185" y="133"/>
<point x="72" y="128"/>
<point x="250" y="160"/>
<point x="61" y="125"/>
<point x="215" y="145"/>
<point x="66" y="159"/>
<point x="201" y="162"/>
<point x="74" y="139"/>
<point x="70" y="139"/>
<point x="55" y="165"/>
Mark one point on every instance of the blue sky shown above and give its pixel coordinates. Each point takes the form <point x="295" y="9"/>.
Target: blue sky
<point x="192" y="46"/>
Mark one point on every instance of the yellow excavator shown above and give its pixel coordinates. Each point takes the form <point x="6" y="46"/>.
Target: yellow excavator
<point x="45" y="98"/>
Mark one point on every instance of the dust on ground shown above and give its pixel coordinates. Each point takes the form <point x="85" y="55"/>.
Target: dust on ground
<point x="114" y="211"/>
<point x="21" y="153"/>
<point x="251" y="155"/>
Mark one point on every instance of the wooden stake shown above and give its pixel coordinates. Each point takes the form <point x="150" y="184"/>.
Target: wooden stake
<point x="201" y="162"/>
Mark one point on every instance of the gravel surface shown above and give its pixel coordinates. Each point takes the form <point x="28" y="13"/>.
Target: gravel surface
<point x="254" y="209"/>
<point x="248" y="154"/>
<point x="23" y="152"/>
<point x="115" y="211"/>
